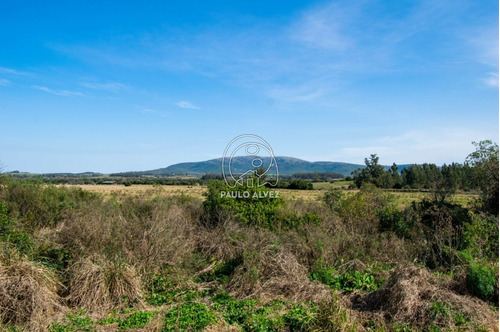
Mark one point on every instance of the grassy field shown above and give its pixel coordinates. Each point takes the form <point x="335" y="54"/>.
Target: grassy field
<point x="168" y="258"/>
<point x="340" y="184"/>
<point x="403" y="198"/>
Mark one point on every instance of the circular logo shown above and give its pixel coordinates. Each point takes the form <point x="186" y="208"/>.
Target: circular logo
<point x="249" y="159"/>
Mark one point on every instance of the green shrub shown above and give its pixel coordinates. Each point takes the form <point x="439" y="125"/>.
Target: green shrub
<point x="12" y="234"/>
<point x="38" y="205"/>
<point x="52" y="256"/>
<point x="289" y="219"/>
<point x="481" y="280"/>
<point x="360" y="207"/>
<point x="481" y="236"/>
<point x="233" y="311"/>
<point x="392" y="219"/>
<point x="246" y="315"/>
<point x="300" y="184"/>
<point x="190" y="316"/>
<point x="136" y="320"/>
<point x="161" y="290"/>
<point x="346" y="282"/>
<point x="298" y="318"/>
<point x="258" y="209"/>
<point x="440" y="226"/>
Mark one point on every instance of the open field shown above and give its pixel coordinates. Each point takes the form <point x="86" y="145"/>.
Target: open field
<point x="143" y="189"/>
<point x="172" y="258"/>
<point x="403" y="198"/>
<point x="339" y="184"/>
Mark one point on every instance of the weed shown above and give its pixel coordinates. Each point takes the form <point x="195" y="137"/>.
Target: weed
<point x="136" y="320"/>
<point x="74" y="322"/>
<point x="346" y="282"/>
<point x="189" y="316"/>
<point x="481" y="280"/>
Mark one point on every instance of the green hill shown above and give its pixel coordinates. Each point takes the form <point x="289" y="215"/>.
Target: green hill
<point x="286" y="166"/>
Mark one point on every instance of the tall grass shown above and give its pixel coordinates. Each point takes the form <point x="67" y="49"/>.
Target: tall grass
<point x="337" y="264"/>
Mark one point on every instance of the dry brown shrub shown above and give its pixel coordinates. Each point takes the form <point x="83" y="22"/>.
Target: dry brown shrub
<point x="97" y="284"/>
<point x="153" y="233"/>
<point x="409" y="294"/>
<point x="227" y="240"/>
<point x="270" y="272"/>
<point x="165" y="239"/>
<point x="28" y="294"/>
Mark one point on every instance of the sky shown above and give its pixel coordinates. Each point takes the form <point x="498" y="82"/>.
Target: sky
<point x="111" y="86"/>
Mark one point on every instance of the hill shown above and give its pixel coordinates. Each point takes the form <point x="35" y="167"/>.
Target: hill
<point x="286" y="166"/>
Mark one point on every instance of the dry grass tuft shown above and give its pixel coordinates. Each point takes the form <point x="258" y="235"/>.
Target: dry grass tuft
<point x="271" y="272"/>
<point x="409" y="294"/>
<point x="98" y="285"/>
<point x="153" y="233"/>
<point x="268" y="270"/>
<point x="28" y="294"/>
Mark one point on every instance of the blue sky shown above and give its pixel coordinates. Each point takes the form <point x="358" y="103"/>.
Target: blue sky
<point x="126" y="85"/>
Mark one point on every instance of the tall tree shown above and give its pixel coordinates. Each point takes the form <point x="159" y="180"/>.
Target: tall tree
<point x="396" y="177"/>
<point x="372" y="173"/>
<point x="485" y="163"/>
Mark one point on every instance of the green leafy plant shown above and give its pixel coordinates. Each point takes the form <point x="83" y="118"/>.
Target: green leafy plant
<point x="299" y="317"/>
<point x="161" y="290"/>
<point x="74" y="322"/>
<point x="347" y="281"/>
<point x="12" y="234"/>
<point x="189" y="316"/>
<point x="481" y="280"/>
<point x="138" y="319"/>
<point x="258" y="209"/>
<point x="246" y="315"/>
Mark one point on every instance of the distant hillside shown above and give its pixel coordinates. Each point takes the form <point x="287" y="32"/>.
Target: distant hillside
<point x="286" y="166"/>
<point x="239" y="165"/>
<point x="54" y="175"/>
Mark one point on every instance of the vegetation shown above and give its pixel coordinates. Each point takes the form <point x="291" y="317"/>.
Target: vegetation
<point x="72" y="260"/>
<point x="478" y="172"/>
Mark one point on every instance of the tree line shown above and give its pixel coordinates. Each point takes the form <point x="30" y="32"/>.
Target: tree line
<point x="478" y="172"/>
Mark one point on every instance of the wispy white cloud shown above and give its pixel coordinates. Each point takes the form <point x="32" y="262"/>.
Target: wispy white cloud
<point x="151" y="111"/>
<point x="4" y="82"/>
<point x="65" y="93"/>
<point x="186" y="104"/>
<point x="293" y="95"/>
<point x="315" y="52"/>
<point x="491" y="80"/>
<point x="11" y="71"/>
<point x="483" y="44"/>
<point x="109" y="86"/>
<point x="323" y="27"/>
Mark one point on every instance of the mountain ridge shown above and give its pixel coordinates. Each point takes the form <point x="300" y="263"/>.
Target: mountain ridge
<point x="240" y="164"/>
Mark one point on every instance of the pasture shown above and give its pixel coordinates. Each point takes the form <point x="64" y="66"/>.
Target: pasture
<point x="403" y="198"/>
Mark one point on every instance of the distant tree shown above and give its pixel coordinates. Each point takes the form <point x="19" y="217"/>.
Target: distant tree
<point x="396" y="177"/>
<point x="414" y="176"/>
<point x="261" y="173"/>
<point x="372" y="173"/>
<point x="485" y="163"/>
<point x="385" y="180"/>
<point x="300" y="184"/>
